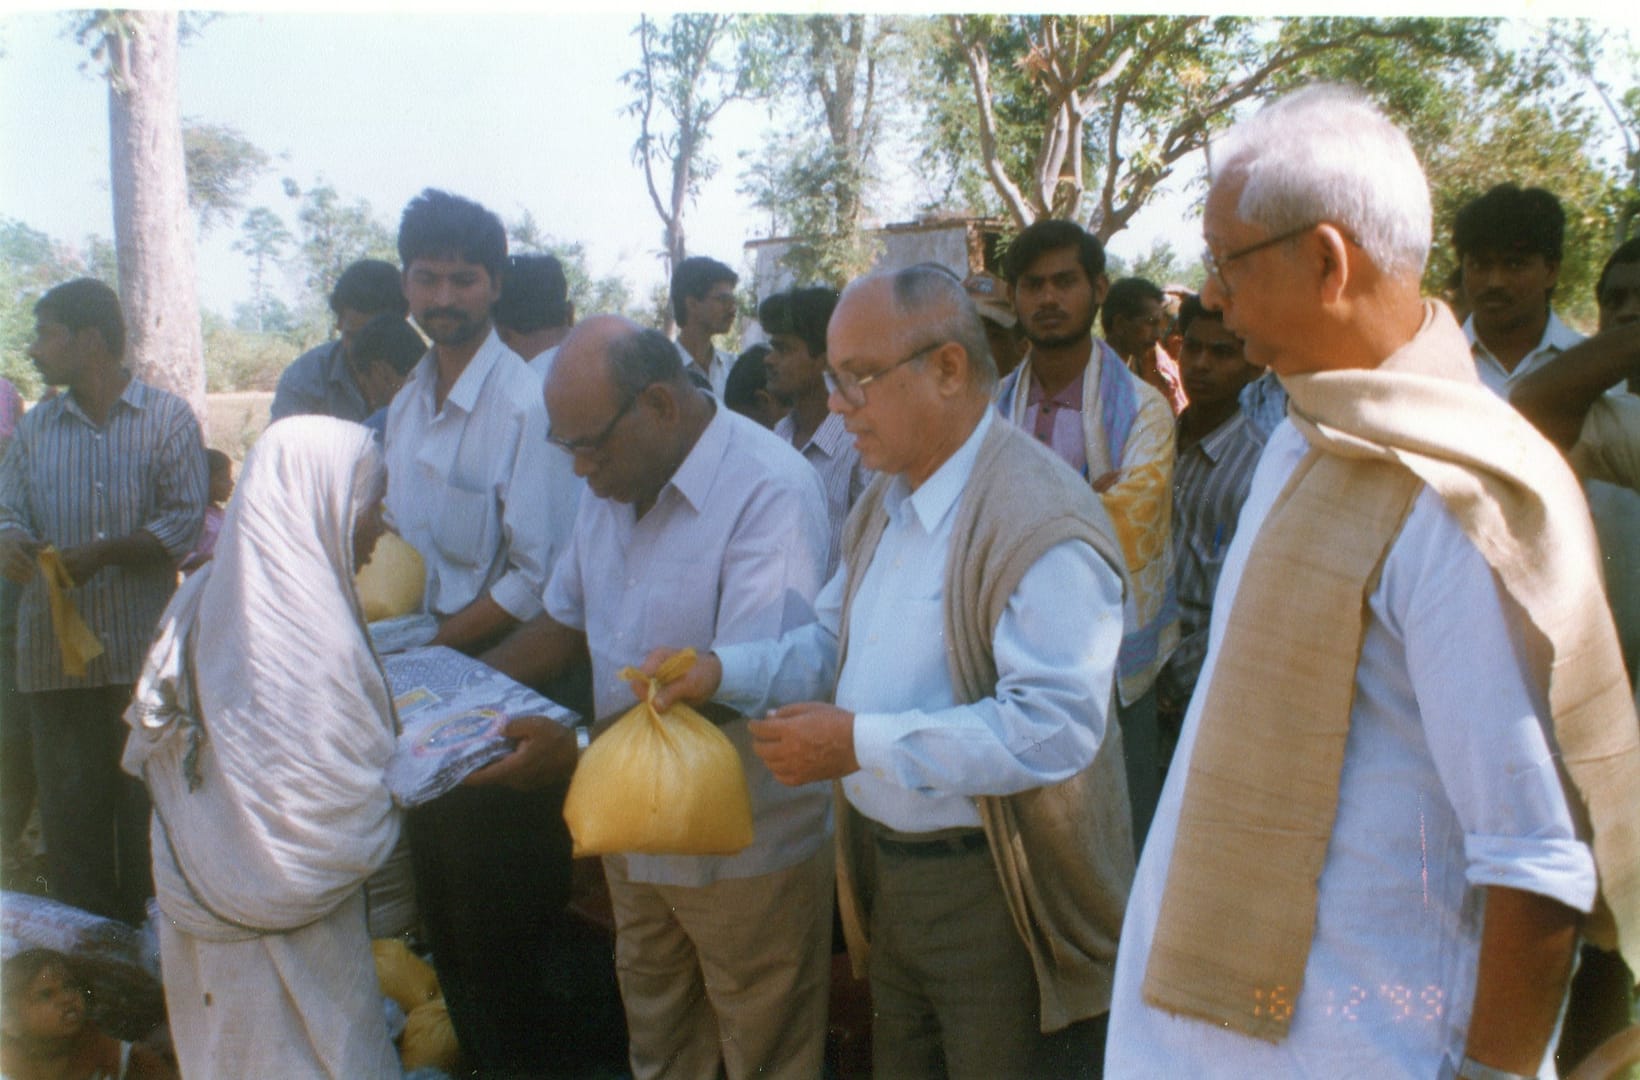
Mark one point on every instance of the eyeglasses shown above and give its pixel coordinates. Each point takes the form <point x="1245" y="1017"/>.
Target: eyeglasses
<point x="591" y="444"/>
<point x="853" y="388"/>
<point x="1215" y="264"/>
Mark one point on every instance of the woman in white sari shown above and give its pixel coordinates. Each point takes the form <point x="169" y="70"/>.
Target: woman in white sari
<point x="262" y="724"/>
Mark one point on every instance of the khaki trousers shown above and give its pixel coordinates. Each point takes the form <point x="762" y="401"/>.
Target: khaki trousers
<point x="737" y="971"/>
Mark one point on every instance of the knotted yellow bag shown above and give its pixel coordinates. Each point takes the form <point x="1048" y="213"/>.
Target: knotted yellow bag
<point x="78" y="645"/>
<point x="660" y="783"/>
<point x="391" y="583"/>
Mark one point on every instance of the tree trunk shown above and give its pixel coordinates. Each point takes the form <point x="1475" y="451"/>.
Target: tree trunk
<point x="153" y="228"/>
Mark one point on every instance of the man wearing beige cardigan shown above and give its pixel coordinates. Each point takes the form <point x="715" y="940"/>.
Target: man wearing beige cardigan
<point x="1406" y="780"/>
<point x="958" y="684"/>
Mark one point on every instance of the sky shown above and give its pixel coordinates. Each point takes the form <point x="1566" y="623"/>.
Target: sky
<point x="521" y="111"/>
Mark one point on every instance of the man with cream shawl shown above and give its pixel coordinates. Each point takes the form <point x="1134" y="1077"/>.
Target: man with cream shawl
<point x="1406" y="780"/>
<point x="262" y="725"/>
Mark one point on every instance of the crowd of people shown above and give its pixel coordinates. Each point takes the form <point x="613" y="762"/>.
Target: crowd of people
<point x="1243" y="691"/>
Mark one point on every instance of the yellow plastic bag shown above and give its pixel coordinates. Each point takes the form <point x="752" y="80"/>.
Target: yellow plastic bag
<point x="402" y="975"/>
<point x="429" y="1039"/>
<point x="391" y="583"/>
<point x="78" y="645"/>
<point x="660" y="784"/>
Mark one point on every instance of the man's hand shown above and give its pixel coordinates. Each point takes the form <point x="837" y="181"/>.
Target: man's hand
<point x="1103" y="483"/>
<point x="545" y="755"/>
<point x="806" y="742"/>
<point x="695" y="687"/>
<point x="83" y="562"/>
<point x="18" y="552"/>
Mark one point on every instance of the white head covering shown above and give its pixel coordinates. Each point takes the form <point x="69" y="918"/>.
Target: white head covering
<point x="262" y="722"/>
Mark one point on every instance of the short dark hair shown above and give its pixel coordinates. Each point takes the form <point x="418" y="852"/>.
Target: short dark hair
<point x="437" y="223"/>
<point x="1051" y="234"/>
<point x="22" y="968"/>
<point x="370" y="287"/>
<point x="1508" y="218"/>
<point x="216" y="461"/>
<point x="746" y="378"/>
<point x="642" y="359"/>
<point x="696" y="276"/>
<point x="390" y="339"/>
<point x="86" y="303"/>
<point x="803" y="313"/>
<point x="534" y="295"/>
<point x="1126" y="298"/>
<point x="1191" y="308"/>
<point x="1627" y="252"/>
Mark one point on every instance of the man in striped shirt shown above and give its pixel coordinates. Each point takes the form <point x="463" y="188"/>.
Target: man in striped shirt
<point x="1218" y="447"/>
<point x="112" y="474"/>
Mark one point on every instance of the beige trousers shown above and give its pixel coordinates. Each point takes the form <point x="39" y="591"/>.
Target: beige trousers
<point x="737" y="971"/>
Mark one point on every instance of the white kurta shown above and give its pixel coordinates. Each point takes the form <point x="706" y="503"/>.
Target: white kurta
<point x="1449" y="784"/>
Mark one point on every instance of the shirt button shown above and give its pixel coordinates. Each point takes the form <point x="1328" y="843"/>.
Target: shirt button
<point x="102" y="536"/>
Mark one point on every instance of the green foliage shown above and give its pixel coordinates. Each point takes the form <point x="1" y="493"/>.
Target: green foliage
<point x="221" y="165"/>
<point x="689" y="69"/>
<point x="263" y="237"/>
<point x="239" y="360"/>
<point x="335" y="234"/>
<point x="1162" y="265"/>
<point x="816" y="171"/>
<point x="31" y="263"/>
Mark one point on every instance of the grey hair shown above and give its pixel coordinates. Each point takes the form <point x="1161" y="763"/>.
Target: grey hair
<point x="1327" y="153"/>
<point x="932" y="297"/>
<point x="642" y="359"/>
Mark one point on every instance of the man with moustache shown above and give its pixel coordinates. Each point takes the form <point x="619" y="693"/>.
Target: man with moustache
<point x="1076" y="395"/>
<point x="476" y="489"/>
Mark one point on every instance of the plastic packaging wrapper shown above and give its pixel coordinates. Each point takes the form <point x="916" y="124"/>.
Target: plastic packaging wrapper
<point x="405" y="632"/>
<point x="75" y="641"/>
<point x="391" y="583"/>
<point x="660" y="783"/>
<point x="126" y="997"/>
<point x="404" y="977"/>
<point x="429" y="1039"/>
<point x="452" y="709"/>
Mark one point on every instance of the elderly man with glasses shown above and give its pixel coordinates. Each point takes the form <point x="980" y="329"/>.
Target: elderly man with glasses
<point x="1406" y="780"/>
<point x="965" y="706"/>
<point x="706" y="528"/>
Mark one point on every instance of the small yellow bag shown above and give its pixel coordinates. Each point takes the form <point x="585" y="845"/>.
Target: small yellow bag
<point x="78" y="645"/>
<point x="429" y="1039"/>
<point x="402" y="975"/>
<point x="660" y="784"/>
<point x="391" y="583"/>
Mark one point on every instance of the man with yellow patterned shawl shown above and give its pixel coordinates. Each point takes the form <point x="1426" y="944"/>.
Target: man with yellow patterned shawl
<point x="1406" y="782"/>
<point x="1077" y="396"/>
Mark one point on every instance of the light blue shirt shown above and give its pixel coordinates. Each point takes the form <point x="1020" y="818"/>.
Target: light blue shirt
<point x="923" y="754"/>
<point x="732" y="550"/>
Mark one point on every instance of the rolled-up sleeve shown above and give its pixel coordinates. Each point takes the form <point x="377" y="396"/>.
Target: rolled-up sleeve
<point x="181" y="478"/>
<point x="1485" y="718"/>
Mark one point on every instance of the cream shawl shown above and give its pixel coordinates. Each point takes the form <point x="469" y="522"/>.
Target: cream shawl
<point x="262" y="722"/>
<point x="1264" y="777"/>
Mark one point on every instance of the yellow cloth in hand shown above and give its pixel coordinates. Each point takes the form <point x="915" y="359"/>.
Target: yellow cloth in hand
<point x="75" y="640"/>
<point x="660" y="783"/>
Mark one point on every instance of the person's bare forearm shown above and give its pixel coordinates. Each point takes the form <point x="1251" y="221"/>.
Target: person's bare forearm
<point x="478" y="623"/>
<point x="1527" y="944"/>
<point x="137" y="548"/>
<point x="537" y="651"/>
<point x="1556" y="397"/>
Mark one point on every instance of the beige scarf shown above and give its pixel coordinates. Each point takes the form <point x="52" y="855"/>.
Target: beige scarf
<point x="1238" y="912"/>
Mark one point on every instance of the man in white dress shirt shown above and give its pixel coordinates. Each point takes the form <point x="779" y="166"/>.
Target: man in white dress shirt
<point x="700" y="526"/>
<point x="475" y="488"/>
<point x="703" y="303"/>
<point x="985" y="839"/>
<point x="1366" y="860"/>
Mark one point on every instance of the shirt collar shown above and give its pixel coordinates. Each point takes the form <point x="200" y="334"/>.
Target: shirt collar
<point x="830" y="438"/>
<point x="939" y="493"/>
<point x="1557" y="338"/>
<point x="464" y="394"/>
<point x="1216" y="443"/>
<point x="693" y="479"/>
<point x="134" y="396"/>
